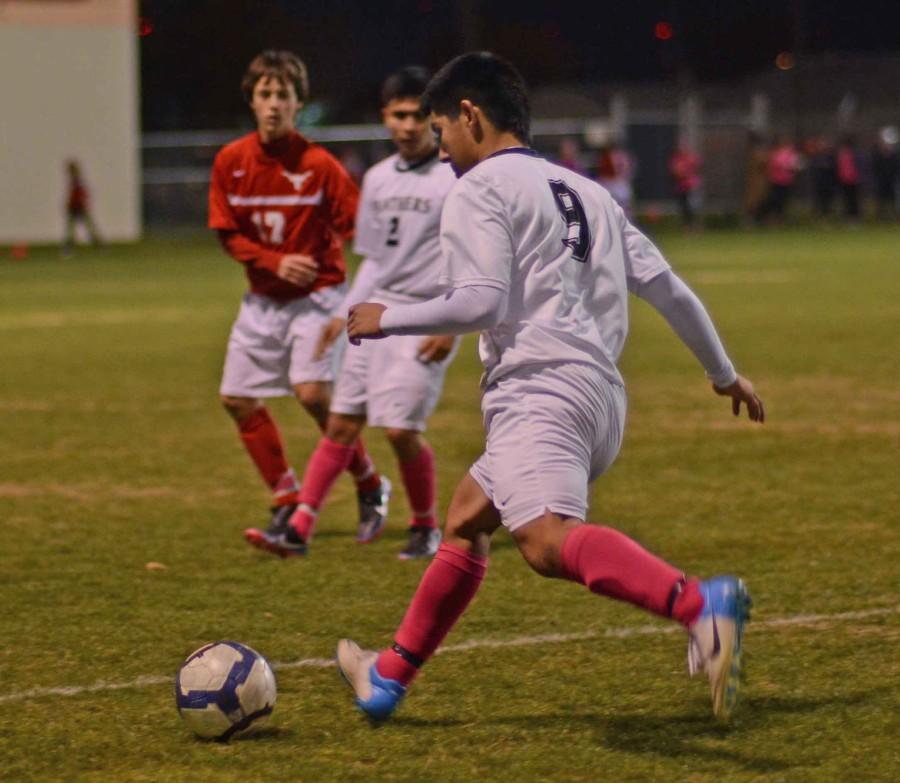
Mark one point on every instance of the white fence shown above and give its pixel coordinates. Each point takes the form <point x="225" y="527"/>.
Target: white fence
<point x="176" y="166"/>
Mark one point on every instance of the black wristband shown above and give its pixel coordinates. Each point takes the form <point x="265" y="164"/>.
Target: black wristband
<point x="406" y="655"/>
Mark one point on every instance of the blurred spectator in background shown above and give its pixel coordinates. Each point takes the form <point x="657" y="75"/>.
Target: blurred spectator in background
<point x="615" y="172"/>
<point x="886" y="170"/>
<point x="684" y="166"/>
<point x="570" y="155"/>
<point x="756" y="188"/>
<point x="353" y="162"/>
<point x="77" y="209"/>
<point x="782" y="166"/>
<point x="823" y="170"/>
<point x="849" y="176"/>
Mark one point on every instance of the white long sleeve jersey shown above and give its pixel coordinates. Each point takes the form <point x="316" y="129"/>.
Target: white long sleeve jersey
<point x="397" y="228"/>
<point x="562" y="251"/>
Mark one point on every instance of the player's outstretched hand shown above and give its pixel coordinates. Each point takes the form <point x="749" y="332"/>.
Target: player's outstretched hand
<point x="364" y="322"/>
<point x="298" y="269"/>
<point x="330" y="332"/>
<point x="741" y="391"/>
<point x="436" y="348"/>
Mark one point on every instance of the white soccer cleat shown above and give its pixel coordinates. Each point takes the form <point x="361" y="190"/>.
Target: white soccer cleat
<point x="714" y="643"/>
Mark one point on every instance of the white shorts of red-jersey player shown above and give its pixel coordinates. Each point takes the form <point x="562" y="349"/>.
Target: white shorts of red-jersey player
<point x="271" y="346"/>
<point x="551" y="430"/>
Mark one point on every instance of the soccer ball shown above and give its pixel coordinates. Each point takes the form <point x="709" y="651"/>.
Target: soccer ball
<point x="223" y="689"/>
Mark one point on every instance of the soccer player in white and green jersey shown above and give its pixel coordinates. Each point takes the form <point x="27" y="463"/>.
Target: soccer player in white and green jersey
<point x="541" y="260"/>
<point x="394" y="384"/>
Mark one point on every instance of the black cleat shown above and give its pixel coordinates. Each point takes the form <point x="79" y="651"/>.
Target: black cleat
<point x="373" y="508"/>
<point x="423" y="542"/>
<point x="281" y="515"/>
<point x="280" y="538"/>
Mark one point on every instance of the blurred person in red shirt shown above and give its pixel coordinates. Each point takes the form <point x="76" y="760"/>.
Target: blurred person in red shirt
<point x="615" y="171"/>
<point x="685" y="166"/>
<point x="77" y="209"/>
<point x="283" y="208"/>
<point x="569" y="155"/>
<point x="849" y="176"/>
<point x="781" y="170"/>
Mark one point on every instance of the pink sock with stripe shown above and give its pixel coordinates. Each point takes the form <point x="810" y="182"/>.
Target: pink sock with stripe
<point x="448" y="586"/>
<point x="609" y="563"/>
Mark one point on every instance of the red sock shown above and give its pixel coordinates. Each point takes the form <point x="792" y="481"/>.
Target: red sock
<point x="447" y="587"/>
<point x="261" y="438"/>
<point x="609" y="563"/>
<point x="419" y="480"/>
<point x="362" y="469"/>
<point x="327" y="462"/>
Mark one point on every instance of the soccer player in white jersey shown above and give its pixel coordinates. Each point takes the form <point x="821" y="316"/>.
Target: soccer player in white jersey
<point x="541" y="259"/>
<point x="394" y="384"/>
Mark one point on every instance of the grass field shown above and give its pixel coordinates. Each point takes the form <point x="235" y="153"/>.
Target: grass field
<point x="114" y="453"/>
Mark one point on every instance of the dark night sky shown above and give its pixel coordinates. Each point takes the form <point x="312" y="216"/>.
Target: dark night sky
<point x="192" y="61"/>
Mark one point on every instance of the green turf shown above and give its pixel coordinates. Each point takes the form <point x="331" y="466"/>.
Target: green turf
<point x="114" y="453"/>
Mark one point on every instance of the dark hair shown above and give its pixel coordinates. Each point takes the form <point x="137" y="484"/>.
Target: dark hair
<point x="281" y="65"/>
<point x="409" y="82"/>
<point x="491" y="83"/>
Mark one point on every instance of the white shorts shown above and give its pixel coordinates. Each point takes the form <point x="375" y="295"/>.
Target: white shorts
<point x="387" y="382"/>
<point x="551" y="430"/>
<point x="271" y="345"/>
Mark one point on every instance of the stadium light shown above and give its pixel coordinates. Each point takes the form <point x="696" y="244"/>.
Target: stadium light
<point x="663" y="31"/>
<point x="784" y="61"/>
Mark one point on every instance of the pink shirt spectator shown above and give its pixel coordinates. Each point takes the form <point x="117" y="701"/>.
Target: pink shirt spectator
<point x="847" y="168"/>
<point x="783" y="164"/>
<point x="685" y="168"/>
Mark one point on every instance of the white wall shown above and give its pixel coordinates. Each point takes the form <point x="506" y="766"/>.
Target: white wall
<point x="68" y="89"/>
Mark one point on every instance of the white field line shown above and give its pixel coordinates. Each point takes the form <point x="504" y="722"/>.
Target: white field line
<point x="472" y="644"/>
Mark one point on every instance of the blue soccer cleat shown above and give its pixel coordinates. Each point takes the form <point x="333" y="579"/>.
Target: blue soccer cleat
<point x="376" y="696"/>
<point x="714" y="643"/>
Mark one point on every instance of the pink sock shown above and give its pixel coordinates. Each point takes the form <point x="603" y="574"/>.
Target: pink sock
<point x="609" y="563"/>
<point x="419" y="480"/>
<point x="327" y="462"/>
<point x="362" y="468"/>
<point x="448" y="585"/>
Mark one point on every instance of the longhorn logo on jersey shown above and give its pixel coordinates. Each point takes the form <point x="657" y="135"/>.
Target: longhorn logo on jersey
<point x="297" y="180"/>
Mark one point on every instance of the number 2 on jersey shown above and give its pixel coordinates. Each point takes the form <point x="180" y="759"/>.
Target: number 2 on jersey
<point x="270" y="226"/>
<point x="393" y="237"/>
<point x="578" y="235"/>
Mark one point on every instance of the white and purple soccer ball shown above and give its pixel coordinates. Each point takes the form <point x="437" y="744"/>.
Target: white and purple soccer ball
<point x="224" y="689"/>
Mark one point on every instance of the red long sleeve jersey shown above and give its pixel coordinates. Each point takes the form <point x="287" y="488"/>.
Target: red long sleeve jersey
<point x="290" y="196"/>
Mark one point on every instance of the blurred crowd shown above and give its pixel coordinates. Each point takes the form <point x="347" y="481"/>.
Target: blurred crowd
<point x="836" y="177"/>
<point x="841" y="173"/>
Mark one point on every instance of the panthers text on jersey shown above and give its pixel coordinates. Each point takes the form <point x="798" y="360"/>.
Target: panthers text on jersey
<point x="398" y="224"/>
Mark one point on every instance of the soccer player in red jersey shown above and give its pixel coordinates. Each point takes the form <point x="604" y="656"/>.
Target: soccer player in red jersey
<point x="283" y="207"/>
<point x="77" y="209"/>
